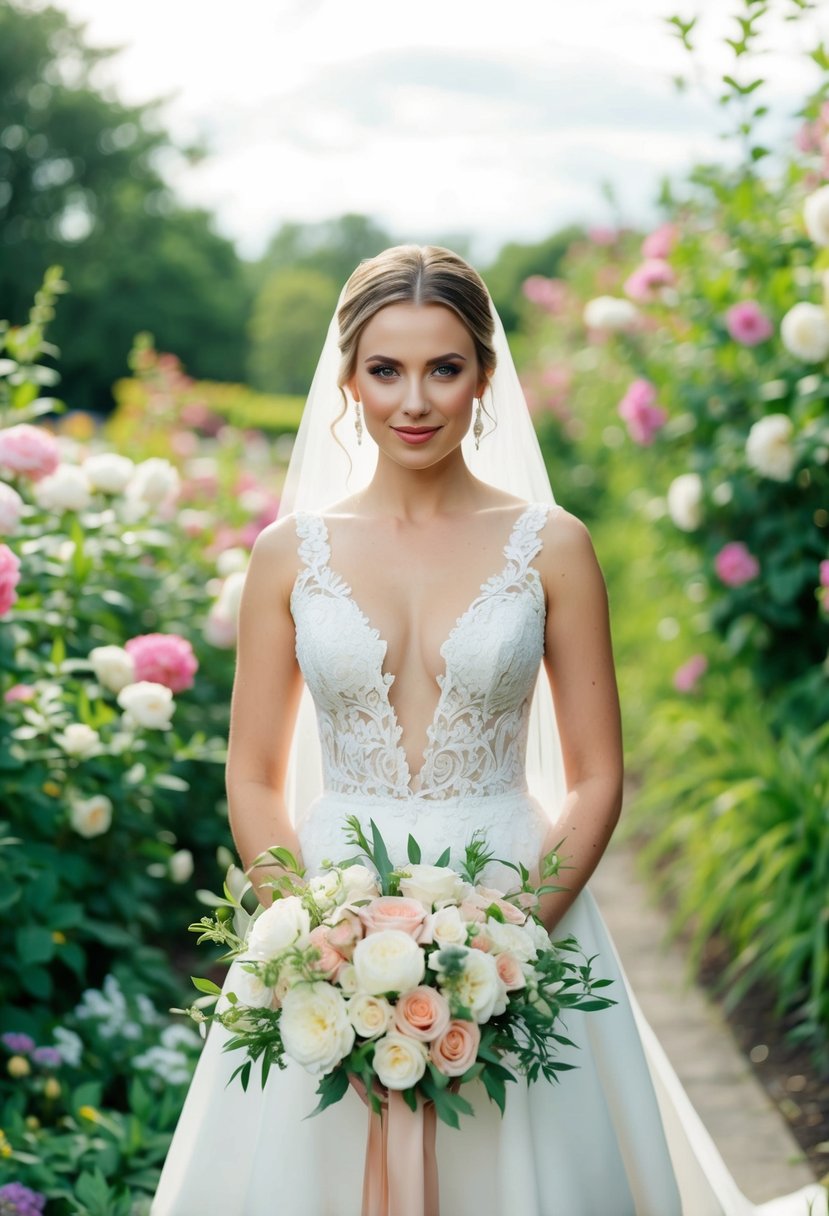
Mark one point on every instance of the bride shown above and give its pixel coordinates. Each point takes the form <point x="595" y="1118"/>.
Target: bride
<point x="419" y="578"/>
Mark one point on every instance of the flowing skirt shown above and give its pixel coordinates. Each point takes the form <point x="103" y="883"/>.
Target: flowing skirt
<point x="615" y="1137"/>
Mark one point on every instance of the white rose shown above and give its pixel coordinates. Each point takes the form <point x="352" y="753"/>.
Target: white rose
<point x="109" y="472"/>
<point x="79" y="740"/>
<point x="685" y="501"/>
<point x="91" y="816"/>
<point x="446" y="927"/>
<point x="113" y="667"/>
<point x="326" y="890"/>
<point x="480" y="987"/>
<point x="315" y="1028"/>
<point x="610" y="312"/>
<point x="219" y="630"/>
<point x="248" y="988"/>
<point x="67" y="489"/>
<point x="370" y="1015"/>
<point x="147" y="704"/>
<point x="11" y="509"/>
<point x="432" y="885"/>
<point x="359" y="882"/>
<point x="278" y="927"/>
<point x="231" y="594"/>
<point x="232" y="561"/>
<point x="768" y="447"/>
<point x="347" y="979"/>
<point x="805" y="332"/>
<point x="153" y="481"/>
<point x="399" y="1061"/>
<point x="538" y="933"/>
<point x="512" y="938"/>
<point x="816" y="215"/>
<point x="388" y="961"/>
<point x="181" y="865"/>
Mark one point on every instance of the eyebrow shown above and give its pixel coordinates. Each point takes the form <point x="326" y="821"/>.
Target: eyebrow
<point x="429" y="362"/>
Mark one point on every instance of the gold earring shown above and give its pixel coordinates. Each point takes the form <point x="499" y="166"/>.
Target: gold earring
<point x="478" y="428"/>
<point x="358" y="422"/>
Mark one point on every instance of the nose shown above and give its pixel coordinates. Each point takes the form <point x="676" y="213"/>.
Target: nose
<point x="415" y="404"/>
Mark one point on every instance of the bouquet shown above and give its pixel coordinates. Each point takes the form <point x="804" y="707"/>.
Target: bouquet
<point x="408" y="982"/>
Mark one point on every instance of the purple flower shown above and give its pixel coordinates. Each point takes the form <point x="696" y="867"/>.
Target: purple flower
<point x="17" y="1200"/>
<point x="49" y="1057"/>
<point x="18" y="1044"/>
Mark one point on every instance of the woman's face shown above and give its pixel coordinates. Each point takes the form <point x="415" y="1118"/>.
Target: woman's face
<point x="416" y="375"/>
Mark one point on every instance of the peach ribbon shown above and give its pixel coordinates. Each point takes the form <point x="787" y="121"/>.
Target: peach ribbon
<point x="401" y="1172"/>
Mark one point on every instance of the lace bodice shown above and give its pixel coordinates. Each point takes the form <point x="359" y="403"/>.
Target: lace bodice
<point x="476" y="743"/>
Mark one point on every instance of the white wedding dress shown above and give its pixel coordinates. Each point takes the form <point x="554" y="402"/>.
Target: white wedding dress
<point x="617" y="1136"/>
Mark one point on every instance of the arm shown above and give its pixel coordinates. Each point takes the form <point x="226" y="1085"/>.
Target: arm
<point x="579" y="662"/>
<point x="266" y="692"/>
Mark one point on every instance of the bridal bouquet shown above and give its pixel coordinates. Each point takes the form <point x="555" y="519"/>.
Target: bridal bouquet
<point x="409" y="981"/>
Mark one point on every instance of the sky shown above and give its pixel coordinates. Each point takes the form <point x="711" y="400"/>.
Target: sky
<point x="497" y="120"/>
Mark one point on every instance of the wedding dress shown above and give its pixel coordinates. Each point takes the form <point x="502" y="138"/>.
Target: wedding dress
<point x="617" y="1136"/>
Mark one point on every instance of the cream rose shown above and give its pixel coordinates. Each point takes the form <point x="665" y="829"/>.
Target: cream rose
<point x="685" y="501"/>
<point x="113" y="667"/>
<point x="285" y="923"/>
<point x="513" y="938"/>
<point x="91" y="816"/>
<point x="347" y="979"/>
<point x="67" y="489"/>
<point x="393" y="912"/>
<point x="316" y="1031"/>
<point x="388" y="961"/>
<point x="456" y="1050"/>
<point x="147" y="704"/>
<point x="152" y="482"/>
<point x="399" y="1061"/>
<point x="816" y="215"/>
<point x="359" y="882"/>
<point x="422" y="1013"/>
<point x="768" y="447"/>
<point x="248" y="988"/>
<point x="446" y="927"/>
<point x="109" y="472"/>
<point x="478" y="988"/>
<point x="326" y="890"/>
<point x="805" y="332"/>
<point x="610" y="312"/>
<point x="433" y="885"/>
<point x="370" y="1016"/>
<point x="79" y="740"/>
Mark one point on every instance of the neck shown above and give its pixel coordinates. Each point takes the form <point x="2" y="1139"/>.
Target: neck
<point x="421" y="494"/>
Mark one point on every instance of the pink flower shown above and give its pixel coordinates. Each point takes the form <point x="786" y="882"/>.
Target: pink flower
<point x="648" y="280"/>
<point x="601" y="234"/>
<point x="747" y="323"/>
<point x="823" y="589"/>
<point x="330" y="960"/>
<point x="688" y="675"/>
<point x="511" y="914"/>
<point x="163" y="658"/>
<point x="549" y="294"/>
<point x="735" y="565"/>
<point x="639" y="410"/>
<point x="19" y="692"/>
<point x="394" y="912"/>
<point x="456" y="1049"/>
<point x="824" y="574"/>
<point x="422" y="1014"/>
<point x="660" y="242"/>
<point x="11" y="509"/>
<point x="345" y="934"/>
<point x="29" y="451"/>
<point x="509" y="971"/>
<point x="9" y="578"/>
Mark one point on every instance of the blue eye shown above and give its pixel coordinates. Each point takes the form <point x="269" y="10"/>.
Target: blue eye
<point x="379" y="369"/>
<point x="451" y="368"/>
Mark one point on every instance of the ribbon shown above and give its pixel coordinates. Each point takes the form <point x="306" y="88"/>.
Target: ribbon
<point x="401" y="1171"/>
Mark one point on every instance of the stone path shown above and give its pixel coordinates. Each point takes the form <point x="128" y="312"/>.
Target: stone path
<point x="757" y="1146"/>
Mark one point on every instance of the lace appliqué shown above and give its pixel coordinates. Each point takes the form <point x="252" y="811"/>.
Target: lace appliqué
<point x="476" y="743"/>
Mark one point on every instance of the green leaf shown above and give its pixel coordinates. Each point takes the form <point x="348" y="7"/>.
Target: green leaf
<point x="443" y="860"/>
<point x="381" y="857"/>
<point x="331" y="1089"/>
<point x="206" y="986"/>
<point x="34" y="944"/>
<point x="413" y="850"/>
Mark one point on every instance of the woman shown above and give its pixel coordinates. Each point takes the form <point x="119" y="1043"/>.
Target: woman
<point x="418" y="610"/>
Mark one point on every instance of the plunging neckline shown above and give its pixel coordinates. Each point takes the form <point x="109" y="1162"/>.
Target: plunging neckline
<point x="387" y="678"/>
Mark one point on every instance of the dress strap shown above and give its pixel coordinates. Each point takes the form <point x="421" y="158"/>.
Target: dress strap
<point x="314" y="549"/>
<point x="524" y="542"/>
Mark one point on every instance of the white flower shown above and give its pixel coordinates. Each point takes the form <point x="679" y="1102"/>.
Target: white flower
<point x="388" y="961"/>
<point x="231" y="594"/>
<point x="69" y="1044"/>
<point x="480" y="987"/>
<point x="153" y="481"/>
<point x="11" y="509"/>
<point x="610" y="312"/>
<point x="181" y="865"/>
<point x="512" y="938"/>
<point x="768" y="447"/>
<point x="685" y="501"/>
<point x="248" y="988"/>
<point x="538" y="933"/>
<point x="232" y="561"/>
<point x="326" y="890"/>
<point x="315" y="1028"/>
<point x="79" y="740"/>
<point x="109" y="472"/>
<point x="805" y="332"/>
<point x="432" y="885"/>
<point x="399" y="1061"/>
<point x="370" y="1015"/>
<point x="359" y="882"/>
<point x="67" y="489"/>
<point x="446" y="927"/>
<point x="220" y="631"/>
<point x="113" y="667"/>
<point x="277" y="927"/>
<point x="347" y="979"/>
<point x="816" y="215"/>
<point x="147" y="704"/>
<point x="91" y="816"/>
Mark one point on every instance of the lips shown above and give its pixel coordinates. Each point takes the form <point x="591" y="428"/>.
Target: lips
<point x="415" y="434"/>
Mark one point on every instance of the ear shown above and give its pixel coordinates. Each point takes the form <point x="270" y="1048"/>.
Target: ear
<point x="351" y="385"/>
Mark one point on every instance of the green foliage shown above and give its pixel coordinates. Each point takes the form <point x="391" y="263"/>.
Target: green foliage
<point x="291" y="312"/>
<point x="516" y="262"/>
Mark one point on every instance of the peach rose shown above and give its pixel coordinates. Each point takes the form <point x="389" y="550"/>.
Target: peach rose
<point x="330" y="959"/>
<point x="422" y="1014"/>
<point x="345" y="933"/>
<point x="394" y="912"/>
<point x="511" y="914"/>
<point x="456" y="1049"/>
<point x="472" y="912"/>
<point x="481" y="941"/>
<point x="509" y="971"/>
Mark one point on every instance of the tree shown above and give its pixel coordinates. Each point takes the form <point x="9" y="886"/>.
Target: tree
<point x="331" y="247"/>
<point x="287" y="329"/>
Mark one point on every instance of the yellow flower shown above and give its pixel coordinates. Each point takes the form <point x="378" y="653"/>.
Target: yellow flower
<point x="18" y="1066"/>
<point x="58" y="938"/>
<point x="5" y="1147"/>
<point x="51" y="788"/>
<point x="51" y="1088"/>
<point x="33" y="1123"/>
<point x="90" y="1113"/>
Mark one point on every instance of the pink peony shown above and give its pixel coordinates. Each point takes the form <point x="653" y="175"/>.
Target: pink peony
<point x="639" y="410"/>
<point x="29" y="451"/>
<point x="393" y="912"/>
<point x="735" y="565"/>
<point x="648" y="280"/>
<point x="19" y="692"/>
<point x="9" y="578"/>
<point x="660" y="242"/>
<point x="689" y="674"/>
<point x="456" y="1049"/>
<point x="422" y="1013"/>
<point x="747" y="323"/>
<point x="163" y="658"/>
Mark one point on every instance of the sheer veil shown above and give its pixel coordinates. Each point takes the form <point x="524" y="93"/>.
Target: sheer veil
<point x="319" y="474"/>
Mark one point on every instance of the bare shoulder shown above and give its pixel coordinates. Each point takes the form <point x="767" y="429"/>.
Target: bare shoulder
<point x="567" y="558"/>
<point x="274" y="560"/>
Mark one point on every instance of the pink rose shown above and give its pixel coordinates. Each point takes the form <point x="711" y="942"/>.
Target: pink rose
<point x="9" y="578"/>
<point x="422" y="1014"/>
<point x="472" y="911"/>
<point x="330" y="960"/>
<point x="639" y="410"/>
<point x="735" y="565"/>
<point x="689" y="674"/>
<point x="648" y="280"/>
<point x="345" y="934"/>
<point x="549" y="294"/>
<point x="481" y="940"/>
<point x="660" y="242"/>
<point x="394" y="912"/>
<point x="456" y="1049"/>
<point x="748" y="324"/>
<point x="509" y="971"/>
<point x="19" y="692"/>
<point x="163" y="658"/>
<point x="511" y="914"/>
<point x="29" y="451"/>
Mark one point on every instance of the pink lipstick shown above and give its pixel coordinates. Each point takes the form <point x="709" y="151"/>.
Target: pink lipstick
<point x="413" y="434"/>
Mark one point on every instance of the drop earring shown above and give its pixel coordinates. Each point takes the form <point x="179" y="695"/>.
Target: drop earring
<point x="358" y="422"/>
<point x="478" y="427"/>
